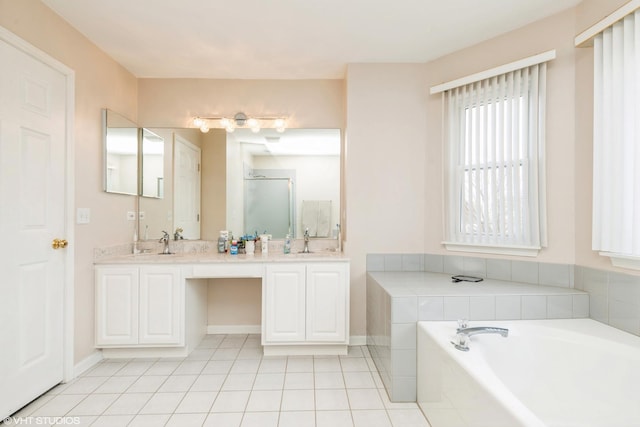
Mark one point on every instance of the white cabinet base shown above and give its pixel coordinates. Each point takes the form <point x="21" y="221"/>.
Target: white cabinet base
<point x="306" y="350"/>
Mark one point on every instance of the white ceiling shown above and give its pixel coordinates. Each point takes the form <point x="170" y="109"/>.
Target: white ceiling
<point x="289" y="39"/>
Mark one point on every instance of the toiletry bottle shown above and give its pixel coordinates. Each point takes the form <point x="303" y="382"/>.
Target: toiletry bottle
<point x="233" y="249"/>
<point x="222" y="241"/>
<point x="135" y="242"/>
<point x="287" y="244"/>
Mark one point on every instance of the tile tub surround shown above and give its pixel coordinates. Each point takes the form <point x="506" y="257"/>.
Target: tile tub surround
<point x="396" y="300"/>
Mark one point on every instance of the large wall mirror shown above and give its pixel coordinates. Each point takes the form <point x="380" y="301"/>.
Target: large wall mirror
<point x="278" y="183"/>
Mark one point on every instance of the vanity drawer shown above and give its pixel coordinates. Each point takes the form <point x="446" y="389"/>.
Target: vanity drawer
<point x="213" y="271"/>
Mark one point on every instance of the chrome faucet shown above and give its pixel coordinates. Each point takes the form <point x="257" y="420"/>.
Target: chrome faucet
<point x="464" y="333"/>
<point x="306" y="241"/>
<point x="165" y="239"/>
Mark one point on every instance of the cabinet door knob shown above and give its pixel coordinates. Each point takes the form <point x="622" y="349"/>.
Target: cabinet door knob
<point x="59" y="244"/>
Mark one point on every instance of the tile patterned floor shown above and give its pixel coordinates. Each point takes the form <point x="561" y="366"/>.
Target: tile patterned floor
<point x="226" y="382"/>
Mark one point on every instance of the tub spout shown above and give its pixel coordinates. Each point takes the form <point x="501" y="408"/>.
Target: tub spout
<point x="465" y="333"/>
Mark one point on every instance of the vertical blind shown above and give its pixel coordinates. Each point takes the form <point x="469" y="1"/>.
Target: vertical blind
<point x="616" y="138"/>
<point x="495" y="135"/>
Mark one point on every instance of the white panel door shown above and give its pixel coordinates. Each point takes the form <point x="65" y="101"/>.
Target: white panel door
<point x="186" y="199"/>
<point x="284" y="303"/>
<point x="327" y="295"/>
<point x="161" y="299"/>
<point x="32" y="214"/>
<point x="116" y="306"/>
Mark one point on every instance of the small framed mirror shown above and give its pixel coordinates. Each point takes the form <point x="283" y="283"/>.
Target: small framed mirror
<point x="120" y="154"/>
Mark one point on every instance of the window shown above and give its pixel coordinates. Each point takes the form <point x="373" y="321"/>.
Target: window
<point x="495" y="169"/>
<point x="616" y="142"/>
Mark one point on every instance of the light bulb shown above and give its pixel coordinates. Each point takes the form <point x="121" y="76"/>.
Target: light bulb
<point x="230" y="128"/>
<point x="279" y="124"/>
<point x="225" y="123"/>
<point x="204" y="128"/>
<point x="198" y="122"/>
<point x="252" y="123"/>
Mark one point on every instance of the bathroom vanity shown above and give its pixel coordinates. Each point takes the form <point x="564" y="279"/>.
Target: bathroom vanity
<point x="152" y="305"/>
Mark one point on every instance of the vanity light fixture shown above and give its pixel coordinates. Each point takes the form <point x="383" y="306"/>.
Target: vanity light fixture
<point x="240" y="120"/>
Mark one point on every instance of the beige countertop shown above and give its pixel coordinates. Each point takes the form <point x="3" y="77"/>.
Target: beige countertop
<point x="216" y="258"/>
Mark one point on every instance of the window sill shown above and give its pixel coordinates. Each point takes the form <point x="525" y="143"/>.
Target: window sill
<point x="623" y="261"/>
<point x="496" y="250"/>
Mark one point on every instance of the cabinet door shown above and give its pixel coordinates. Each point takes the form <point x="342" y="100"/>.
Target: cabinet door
<point x="327" y="302"/>
<point x="161" y="299"/>
<point x="283" y="309"/>
<point x="116" y="306"/>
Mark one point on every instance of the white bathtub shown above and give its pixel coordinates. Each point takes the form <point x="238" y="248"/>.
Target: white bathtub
<point x="560" y="373"/>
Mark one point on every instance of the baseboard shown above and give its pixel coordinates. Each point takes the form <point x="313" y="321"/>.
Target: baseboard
<point x="87" y="363"/>
<point x="358" y="340"/>
<point x="234" y="329"/>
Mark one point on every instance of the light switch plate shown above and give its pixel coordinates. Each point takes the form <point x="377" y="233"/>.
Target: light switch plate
<point x="83" y="216"/>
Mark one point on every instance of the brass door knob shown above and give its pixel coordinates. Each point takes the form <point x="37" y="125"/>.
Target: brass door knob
<point x="59" y="244"/>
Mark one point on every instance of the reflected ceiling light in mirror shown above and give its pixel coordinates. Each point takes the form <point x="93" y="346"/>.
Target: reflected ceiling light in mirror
<point x="240" y="120"/>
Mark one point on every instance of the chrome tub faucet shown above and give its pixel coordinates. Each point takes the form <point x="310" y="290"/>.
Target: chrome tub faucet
<point x="464" y="333"/>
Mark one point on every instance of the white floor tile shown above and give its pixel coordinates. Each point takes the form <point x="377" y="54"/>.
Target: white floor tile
<point x="162" y="403"/>
<point x="149" y="420"/>
<point x="195" y="402"/>
<point x="299" y="364"/>
<point x="217" y="367"/>
<point x="297" y="419"/>
<point x="331" y="400"/>
<point x="334" y="419"/>
<point x="298" y="400"/>
<point x="264" y="401"/>
<point x="298" y="380"/>
<point x="327" y="365"/>
<point x="94" y="404"/>
<point x="359" y="380"/>
<point x="364" y="399"/>
<point x="112" y="421"/>
<point x="128" y="404"/>
<point x="371" y="418"/>
<point x="223" y="419"/>
<point x="190" y="367"/>
<point x="227" y="382"/>
<point x="177" y="383"/>
<point x="245" y="366"/>
<point x="235" y="382"/>
<point x="231" y="401"/>
<point x="225" y="354"/>
<point x="269" y="382"/>
<point x="134" y="368"/>
<point x="84" y="385"/>
<point x="260" y="419"/>
<point x="162" y="368"/>
<point x="325" y="380"/>
<point x="116" y="384"/>
<point x="59" y="405"/>
<point x="147" y="383"/>
<point x="354" y="364"/>
<point x="208" y="382"/>
<point x="104" y="369"/>
<point x="186" y="420"/>
<point x="272" y="365"/>
<point x="407" y="418"/>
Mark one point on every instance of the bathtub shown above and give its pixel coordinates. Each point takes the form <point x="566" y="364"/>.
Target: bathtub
<point x="560" y="373"/>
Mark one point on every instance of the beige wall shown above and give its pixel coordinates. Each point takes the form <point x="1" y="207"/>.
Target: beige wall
<point x="100" y="83"/>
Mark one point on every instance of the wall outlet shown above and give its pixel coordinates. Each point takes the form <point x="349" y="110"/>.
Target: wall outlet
<point x="131" y="216"/>
<point x="141" y="215"/>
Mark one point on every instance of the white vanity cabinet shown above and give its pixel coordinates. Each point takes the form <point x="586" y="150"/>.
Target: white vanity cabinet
<point x="139" y="306"/>
<point x="305" y="304"/>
